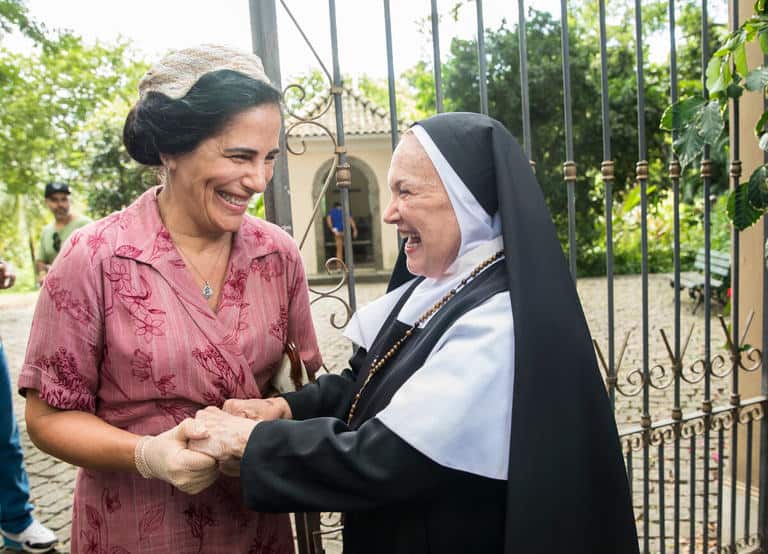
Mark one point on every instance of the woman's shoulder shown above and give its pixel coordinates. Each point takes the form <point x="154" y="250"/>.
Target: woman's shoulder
<point x="95" y="240"/>
<point x="262" y="237"/>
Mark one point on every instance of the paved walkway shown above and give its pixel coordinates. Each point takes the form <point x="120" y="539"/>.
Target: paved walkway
<point x="52" y="481"/>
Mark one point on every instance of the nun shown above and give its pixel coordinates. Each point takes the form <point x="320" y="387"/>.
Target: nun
<point x="472" y="417"/>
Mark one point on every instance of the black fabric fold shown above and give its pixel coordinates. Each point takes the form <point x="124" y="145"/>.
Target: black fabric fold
<point x="567" y="488"/>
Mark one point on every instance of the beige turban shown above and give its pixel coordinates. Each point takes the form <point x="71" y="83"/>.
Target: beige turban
<point x="177" y="72"/>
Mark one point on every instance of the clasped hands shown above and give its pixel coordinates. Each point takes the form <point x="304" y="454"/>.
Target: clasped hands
<point x="191" y="455"/>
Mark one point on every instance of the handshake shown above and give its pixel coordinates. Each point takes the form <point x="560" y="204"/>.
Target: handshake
<point x="191" y="455"/>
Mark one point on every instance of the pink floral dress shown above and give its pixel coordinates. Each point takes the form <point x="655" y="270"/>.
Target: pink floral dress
<point x="121" y="330"/>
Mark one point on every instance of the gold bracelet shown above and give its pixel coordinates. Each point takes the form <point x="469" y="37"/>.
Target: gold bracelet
<point x="140" y="460"/>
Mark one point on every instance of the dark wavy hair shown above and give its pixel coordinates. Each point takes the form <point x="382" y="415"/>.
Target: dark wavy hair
<point x="158" y="124"/>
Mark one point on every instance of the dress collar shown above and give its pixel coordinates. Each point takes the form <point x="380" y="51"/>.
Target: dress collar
<point x="142" y="236"/>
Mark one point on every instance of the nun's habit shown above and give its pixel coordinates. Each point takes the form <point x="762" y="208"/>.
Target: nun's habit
<point x="489" y="430"/>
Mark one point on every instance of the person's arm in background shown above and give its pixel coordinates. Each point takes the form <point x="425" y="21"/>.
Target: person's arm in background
<point x="7" y="275"/>
<point x="353" y="226"/>
<point x="42" y="265"/>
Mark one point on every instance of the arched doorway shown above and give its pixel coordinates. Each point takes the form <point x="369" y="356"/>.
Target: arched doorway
<point x="363" y="207"/>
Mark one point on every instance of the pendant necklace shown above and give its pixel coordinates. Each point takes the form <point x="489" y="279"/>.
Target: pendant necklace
<point x="206" y="289"/>
<point x="379" y="362"/>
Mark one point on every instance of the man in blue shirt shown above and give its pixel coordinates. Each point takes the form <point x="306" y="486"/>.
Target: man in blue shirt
<point x="335" y="222"/>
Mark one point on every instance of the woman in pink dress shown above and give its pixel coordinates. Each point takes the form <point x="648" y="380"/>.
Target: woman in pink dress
<point x="178" y="302"/>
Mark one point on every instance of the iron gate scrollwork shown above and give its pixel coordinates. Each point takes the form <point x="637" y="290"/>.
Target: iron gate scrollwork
<point x="683" y="463"/>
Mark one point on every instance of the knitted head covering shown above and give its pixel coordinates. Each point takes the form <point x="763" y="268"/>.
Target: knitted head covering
<point x="177" y="72"/>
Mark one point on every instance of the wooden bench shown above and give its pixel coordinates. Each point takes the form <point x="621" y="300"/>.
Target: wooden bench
<point x="719" y="277"/>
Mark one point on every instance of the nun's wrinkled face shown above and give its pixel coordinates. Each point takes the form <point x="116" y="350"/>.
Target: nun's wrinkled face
<point x="421" y="210"/>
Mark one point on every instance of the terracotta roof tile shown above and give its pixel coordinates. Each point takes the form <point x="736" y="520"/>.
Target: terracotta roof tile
<point x="361" y="116"/>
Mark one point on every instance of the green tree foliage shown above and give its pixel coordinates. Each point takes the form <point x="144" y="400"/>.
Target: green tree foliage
<point x="114" y="180"/>
<point x="14" y="17"/>
<point x="49" y="96"/>
<point x="698" y="120"/>
<point x="545" y="83"/>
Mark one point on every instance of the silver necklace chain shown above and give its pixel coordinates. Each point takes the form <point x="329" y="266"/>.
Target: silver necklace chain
<point x="206" y="289"/>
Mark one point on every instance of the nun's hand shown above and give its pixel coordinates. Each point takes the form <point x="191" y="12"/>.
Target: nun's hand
<point x="258" y="408"/>
<point x="227" y="434"/>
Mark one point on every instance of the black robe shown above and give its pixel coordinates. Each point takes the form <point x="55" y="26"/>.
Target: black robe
<point x="567" y="488"/>
<point x="394" y="499"/>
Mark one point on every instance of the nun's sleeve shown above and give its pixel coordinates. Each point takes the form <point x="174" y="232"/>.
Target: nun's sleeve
<point x="330" y="395"/>
<point x="320" y="465"/>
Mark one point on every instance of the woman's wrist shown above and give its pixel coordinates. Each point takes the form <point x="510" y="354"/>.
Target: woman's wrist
<point x="140" y="459"/>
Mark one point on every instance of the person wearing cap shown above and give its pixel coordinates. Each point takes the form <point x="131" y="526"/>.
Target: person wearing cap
<point x="19" y="529"/>
<point x="473" y="418"/>
<point x="180" y="301"/>
<point x="54" y="234"/>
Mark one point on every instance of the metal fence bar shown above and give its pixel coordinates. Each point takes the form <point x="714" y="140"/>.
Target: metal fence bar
<point x="674" y="176"/>
<point x="569" y="167"/>
<point x="343" y="174"/>
<point x="264" y="38"/>
<point x="720" y="461"/>
<point x="393" y="126"/>
<point x="692" y="482"/>
<point x="762" y="513"/>
<point x="437" y="65"/>
<point x="662" y="502"/>
<point x="606" y="168"/>
<point x="642" y="179"/>
<point x="735" y="174"/>
<point x="524" y="93"/>
<point x="483" y="82"/>
<point x="748" y="479"/>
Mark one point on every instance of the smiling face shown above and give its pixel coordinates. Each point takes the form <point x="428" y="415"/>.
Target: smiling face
<point x="421" y="210"/>
<point x="213" y="184"/>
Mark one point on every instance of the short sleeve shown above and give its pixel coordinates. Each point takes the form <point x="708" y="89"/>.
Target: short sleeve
<point x="301" y="330"/>
<point x="66" y="340"/>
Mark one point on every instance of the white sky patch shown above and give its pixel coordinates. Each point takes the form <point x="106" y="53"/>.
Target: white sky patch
<point x="156" y="26"/>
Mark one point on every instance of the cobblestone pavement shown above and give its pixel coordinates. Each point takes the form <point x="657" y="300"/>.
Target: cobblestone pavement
<point x="52" y="481"/>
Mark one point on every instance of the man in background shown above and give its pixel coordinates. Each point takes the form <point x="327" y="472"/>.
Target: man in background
<point x="20" y="530"/>
<point x="54" y="234"/>
<point x="335" y="222"/>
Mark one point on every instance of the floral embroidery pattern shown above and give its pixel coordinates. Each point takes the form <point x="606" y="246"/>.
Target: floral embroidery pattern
<point x="233" y="291"/>
<point x="128" y="251"/>
<point x="232" y="340"/>
<point x="226" y="380"/>
<point x="175" y="411"/>
<point x="106" y="369"/>
<point x="64" y="301"/>
<point x="97" y="532"/>
<point x="147" y="321"/>
<point x="96" y="241"/>
<point x="151" y="521"/>
<point x="254" y="232"/>
<point x="268" y="267"/>
<point x="141" y="367"/>
<point x="70" y="389"/>
<point x="267" y="541"/>
<point x="279" y="327"/>
<point x="163" y="244"/>
<point x="198" y="518"/>
<point x="73" y="240"/>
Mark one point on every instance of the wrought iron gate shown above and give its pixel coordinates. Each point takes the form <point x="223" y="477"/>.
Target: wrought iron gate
<point x="683" y="460"/>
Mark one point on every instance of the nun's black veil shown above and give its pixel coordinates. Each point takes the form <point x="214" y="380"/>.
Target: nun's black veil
<point x="567" y="489"/>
